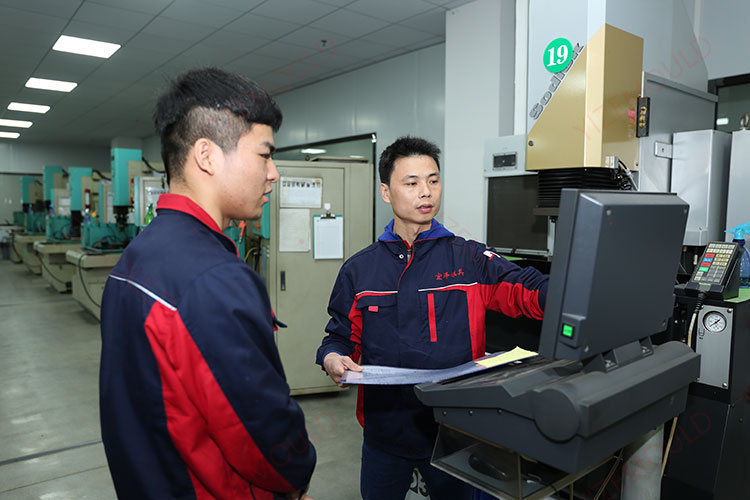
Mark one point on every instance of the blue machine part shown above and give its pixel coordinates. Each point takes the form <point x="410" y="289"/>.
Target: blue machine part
<point x="35" y="222"/>
<point x="102" y="202"/>
<point x="106" y="238"/>
<point x="48" y="177"/>
<point x="120" y="178"/>
<point x="76" y="194"/>
<point x="26" y="182"/>
<point x="58" y="228"/>
<point x="262" y="226"/>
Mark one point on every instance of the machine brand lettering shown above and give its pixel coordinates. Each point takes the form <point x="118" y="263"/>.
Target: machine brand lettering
<point x="555" y="82"/>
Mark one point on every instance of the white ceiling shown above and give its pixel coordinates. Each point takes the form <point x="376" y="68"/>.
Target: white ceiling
<point x="279" y="43"/>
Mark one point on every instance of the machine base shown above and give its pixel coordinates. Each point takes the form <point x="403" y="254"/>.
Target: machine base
<point x="90" y="276"/>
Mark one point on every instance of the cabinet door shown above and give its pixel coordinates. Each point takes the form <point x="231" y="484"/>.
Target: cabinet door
<point x="299" y="285"/>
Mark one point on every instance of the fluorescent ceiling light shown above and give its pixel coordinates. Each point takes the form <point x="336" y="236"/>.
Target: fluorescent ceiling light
<point x="312" y="151"/>
<point x="358" y="157"/>
<point x="722" y="121"/>
<point x="58" y="85"/>
<point x="15" y="123"/>
<point x="29" y="108"/>
<point x="85" y="46"/>
<point x="10" y="135"/>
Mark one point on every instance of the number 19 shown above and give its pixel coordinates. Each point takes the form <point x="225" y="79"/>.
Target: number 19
<point x="562" y="55"/>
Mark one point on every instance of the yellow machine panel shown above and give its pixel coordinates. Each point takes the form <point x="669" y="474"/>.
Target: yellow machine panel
<point x="592" y="113"/>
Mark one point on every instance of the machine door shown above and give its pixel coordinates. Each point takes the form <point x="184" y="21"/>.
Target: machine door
<point x="299" y="284"/>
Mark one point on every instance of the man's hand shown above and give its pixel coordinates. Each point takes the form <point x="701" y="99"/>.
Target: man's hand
<point x="335" y="365"/>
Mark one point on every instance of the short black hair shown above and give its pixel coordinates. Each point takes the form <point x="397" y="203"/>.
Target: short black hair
<point x="403" y="147"/>
<point x="209" y="103"/>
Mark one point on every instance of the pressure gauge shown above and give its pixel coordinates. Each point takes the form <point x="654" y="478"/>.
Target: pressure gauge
<point x="715" y="322"/>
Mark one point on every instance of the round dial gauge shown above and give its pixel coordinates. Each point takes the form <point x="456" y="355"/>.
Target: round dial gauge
<point x="714" y="322"/>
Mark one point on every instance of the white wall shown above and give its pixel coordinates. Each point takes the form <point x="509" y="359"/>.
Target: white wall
<point x="152" y="148"/>
<point x="670" y="47"/>
<point x="30" y="158"/>
<point x="724" y="34"/>
<point x="547" y="21"/>
<point x="403" y="95"/>
<point x="10" y="196"/>
<point x="479" y="80"/>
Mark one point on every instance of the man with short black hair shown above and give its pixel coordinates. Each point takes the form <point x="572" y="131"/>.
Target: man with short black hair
<point x="416" y="298"/>
<point x="194" y="402"/>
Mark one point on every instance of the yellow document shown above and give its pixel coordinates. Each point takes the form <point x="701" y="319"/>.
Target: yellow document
<point x="505" y="358"/>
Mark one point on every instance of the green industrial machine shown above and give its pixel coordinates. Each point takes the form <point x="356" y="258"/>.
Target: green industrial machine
<point x="22" y="244"/>
<point x="33" y="205"/>
<point x="100" y="235"/>
<point x="57" y="226"/>
<point x="18" y="219"/>
<point x="106" y="237"/>
<point x="64" y="227"/>
<point x="52" y="178"/>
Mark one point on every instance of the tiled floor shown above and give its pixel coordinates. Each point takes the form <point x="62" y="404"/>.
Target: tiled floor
<point x="50" y="444"/>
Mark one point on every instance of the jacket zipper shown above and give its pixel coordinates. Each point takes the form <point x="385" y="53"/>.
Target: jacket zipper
<point x="411" y="257"/>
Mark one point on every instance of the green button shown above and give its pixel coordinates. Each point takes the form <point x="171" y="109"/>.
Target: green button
<point x="567" y="330"/>
<point x="703" y="269"/>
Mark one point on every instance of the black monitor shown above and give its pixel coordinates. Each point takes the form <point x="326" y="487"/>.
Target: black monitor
<point x="613" y="272"/>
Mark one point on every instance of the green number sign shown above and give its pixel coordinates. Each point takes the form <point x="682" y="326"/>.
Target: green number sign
<point x="557" y="55"/>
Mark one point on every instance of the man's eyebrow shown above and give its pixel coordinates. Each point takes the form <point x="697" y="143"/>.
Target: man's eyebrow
<point x="415" y="176"/>
<point x="271" y="147"/>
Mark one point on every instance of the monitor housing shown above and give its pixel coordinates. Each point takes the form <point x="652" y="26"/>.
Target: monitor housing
<point x="612" y="279"/>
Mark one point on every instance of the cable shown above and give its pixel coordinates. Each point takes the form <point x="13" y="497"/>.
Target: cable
<point x="83" y="283"/>
<point x="250" y="250"/>
<point x="618" y="459"/>
<point x="102" y="175"/>
<point x="150" y="167"/>
<point x="628" y="173"/>
<point x="689" y="340"/>
<point x="15" y="247"/>
<point x="41" y="261"/>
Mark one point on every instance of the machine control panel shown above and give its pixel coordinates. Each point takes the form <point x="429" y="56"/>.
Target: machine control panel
<point x="717" y="272"/>
<point x="716" y="263"/>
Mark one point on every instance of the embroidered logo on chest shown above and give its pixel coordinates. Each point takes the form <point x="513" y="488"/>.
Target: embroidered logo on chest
<point x="449" y="274"/>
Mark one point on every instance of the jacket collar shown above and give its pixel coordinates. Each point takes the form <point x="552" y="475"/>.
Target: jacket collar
<point x="185" y="205"/>
<point x="437" y="230"/>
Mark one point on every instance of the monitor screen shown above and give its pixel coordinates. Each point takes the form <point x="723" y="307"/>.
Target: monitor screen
<point x="613" y="272"/>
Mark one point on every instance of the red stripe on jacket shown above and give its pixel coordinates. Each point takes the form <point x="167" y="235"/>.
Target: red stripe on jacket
<point x="497" y="297"/>
<point x="225" y="461"/>
<point x="355" y="317"/>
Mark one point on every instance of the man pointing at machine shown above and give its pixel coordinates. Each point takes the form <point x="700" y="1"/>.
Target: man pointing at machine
<point x="416" y="298"/>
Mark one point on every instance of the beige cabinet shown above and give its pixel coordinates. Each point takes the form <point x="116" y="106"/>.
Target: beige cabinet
<point x="299" y="281"/>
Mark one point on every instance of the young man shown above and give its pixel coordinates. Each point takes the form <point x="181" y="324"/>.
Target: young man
<point x="416" y="298"/>
<point x="194" y="403"/>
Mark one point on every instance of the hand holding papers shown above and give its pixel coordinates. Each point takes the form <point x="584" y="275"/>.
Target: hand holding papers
<point x="387" y="375"/>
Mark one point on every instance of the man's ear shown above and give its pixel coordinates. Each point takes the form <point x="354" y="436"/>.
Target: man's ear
<point x="204" y="153"/>
<point x="385" y="192"/>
